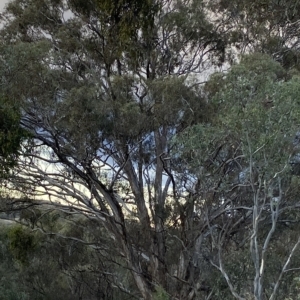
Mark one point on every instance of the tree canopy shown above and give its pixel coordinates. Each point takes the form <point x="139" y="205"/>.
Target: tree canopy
<point x="186" y="173"/>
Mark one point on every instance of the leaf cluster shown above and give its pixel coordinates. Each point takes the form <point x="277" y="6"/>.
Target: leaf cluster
<point x="11" y="136"/>
<point x="258" y="109"/>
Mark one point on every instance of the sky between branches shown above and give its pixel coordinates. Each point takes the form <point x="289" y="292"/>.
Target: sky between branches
<point x="2" y="3"/>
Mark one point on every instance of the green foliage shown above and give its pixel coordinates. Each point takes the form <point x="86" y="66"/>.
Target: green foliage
<point x="254" y="128"/>
<point x="257" y="115"/>
<point x="21" y="243"/>
<point x="10" y="287"/>
<point x="160" y="294"/>
<point x="122" y="20"/>
<point x="71" y="262"/>
<point x="11" y="136"/>
<point x="264" y="26"/>
<point x="109" y="85"/>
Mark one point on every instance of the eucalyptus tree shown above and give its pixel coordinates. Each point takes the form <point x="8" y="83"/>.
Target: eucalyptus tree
<point x="246" y="162"/>
<point x="265" y="26"/>
<point x="102" y="87"/>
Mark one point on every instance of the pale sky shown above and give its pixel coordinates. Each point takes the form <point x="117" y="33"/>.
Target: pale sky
<point x="2" y="3"/>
